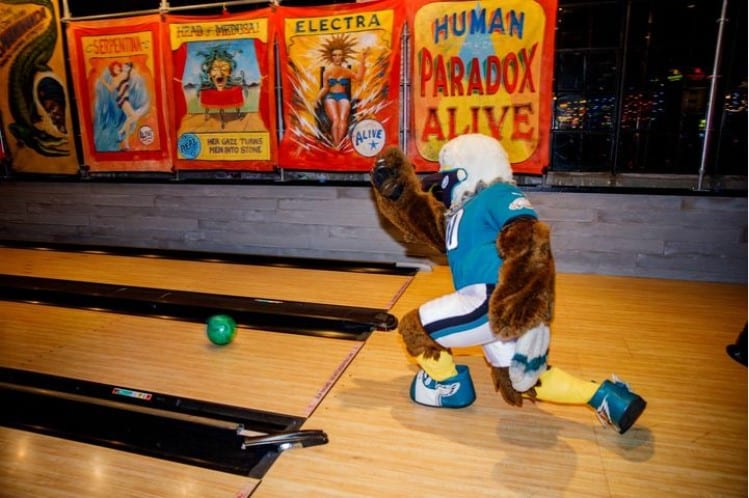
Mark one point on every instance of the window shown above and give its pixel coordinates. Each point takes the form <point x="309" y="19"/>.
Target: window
<point x="632" y="87"/>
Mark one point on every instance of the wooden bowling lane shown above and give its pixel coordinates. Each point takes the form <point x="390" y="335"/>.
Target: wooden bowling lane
<point x="276" y="372"/>
<point x="260" y="370"/>
<point x="37" y="465"/>
<point x="666" y="337"/>
<point x="316" y="285"/>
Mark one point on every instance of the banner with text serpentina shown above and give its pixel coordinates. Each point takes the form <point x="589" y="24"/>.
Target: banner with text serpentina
<point x="118" y="75"/>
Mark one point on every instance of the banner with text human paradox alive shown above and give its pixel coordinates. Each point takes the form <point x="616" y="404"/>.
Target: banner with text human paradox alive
<point x="482" y="67"/>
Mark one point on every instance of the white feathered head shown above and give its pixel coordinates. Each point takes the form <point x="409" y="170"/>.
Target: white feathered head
<point x="467" y="164"/>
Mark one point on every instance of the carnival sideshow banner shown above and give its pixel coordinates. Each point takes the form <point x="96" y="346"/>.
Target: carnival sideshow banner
<point x="341" y="68"/>
<point x="482" y="67"/>
<point x="34" y="98"/>
<point x="119" y="80"/>
<point x="222" y="91"/>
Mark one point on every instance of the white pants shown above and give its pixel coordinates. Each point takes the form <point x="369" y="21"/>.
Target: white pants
<point x="461" y="319"/>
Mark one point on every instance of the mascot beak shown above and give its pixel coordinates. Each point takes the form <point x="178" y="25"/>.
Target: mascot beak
<point x="442" y="184"/>
<point x="431" y="182"/>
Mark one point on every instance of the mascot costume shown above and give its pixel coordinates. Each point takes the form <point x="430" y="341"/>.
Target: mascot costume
<point x="502" y="267"/>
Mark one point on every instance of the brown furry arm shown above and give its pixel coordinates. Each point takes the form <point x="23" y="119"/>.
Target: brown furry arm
<point x="399" y="198"/>
<point x="524" y="297"/>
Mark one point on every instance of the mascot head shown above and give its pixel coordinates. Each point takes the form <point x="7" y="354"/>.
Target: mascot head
<point x="468" y="163"/>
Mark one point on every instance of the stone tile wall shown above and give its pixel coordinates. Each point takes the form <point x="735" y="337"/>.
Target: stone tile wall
<point x="693" y="237"/>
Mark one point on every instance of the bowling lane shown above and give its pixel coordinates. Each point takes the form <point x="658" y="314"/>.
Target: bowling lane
<point x="38" y="465"/>
<point x="341" y="288"/>
<point x="261" y="370"/>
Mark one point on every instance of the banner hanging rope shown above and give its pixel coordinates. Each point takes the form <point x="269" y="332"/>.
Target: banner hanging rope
<point x="163" y="8"/>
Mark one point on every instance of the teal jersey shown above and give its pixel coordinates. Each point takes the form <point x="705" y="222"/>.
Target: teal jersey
<point x="471" y="233"/>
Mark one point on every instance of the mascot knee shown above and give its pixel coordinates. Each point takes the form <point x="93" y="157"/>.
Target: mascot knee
<point x="417" y="339"/>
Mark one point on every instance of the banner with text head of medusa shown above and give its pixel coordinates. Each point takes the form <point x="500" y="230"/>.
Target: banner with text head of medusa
<point x="222" y="91"/>
<point x="341" y="84"/>
<point x="34" y="98"/>
<point x="118" y="76"/>
<point x="483" y="67"/>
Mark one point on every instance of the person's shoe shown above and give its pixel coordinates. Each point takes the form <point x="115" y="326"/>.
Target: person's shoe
<point x="454" y="392"/>
<point x="616" y="405"/>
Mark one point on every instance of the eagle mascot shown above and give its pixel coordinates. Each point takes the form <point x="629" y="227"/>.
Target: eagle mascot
<point x="502" y="267"/>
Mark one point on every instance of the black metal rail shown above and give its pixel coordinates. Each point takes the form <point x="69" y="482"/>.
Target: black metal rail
<point x="184" y="430"/>
<point x="267" y="314"/>
<point x="209" y="257"/>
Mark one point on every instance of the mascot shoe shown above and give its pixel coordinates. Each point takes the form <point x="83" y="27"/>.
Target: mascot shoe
<point x="616" y="405"/>
<point x="454" y="392"/>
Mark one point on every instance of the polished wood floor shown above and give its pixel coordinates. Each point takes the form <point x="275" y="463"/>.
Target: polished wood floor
<point x="270" y="282"/>
<point x="666" y="338"/>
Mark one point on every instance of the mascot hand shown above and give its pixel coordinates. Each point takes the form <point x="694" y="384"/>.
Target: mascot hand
<point x="400" y="199"/>
<point x="390" y="173"/>
<point x="503" y="384"/>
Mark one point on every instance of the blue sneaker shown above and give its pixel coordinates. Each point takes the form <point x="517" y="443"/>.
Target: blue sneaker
<point x="616" y="405"/>
<point x="454" y="392"/>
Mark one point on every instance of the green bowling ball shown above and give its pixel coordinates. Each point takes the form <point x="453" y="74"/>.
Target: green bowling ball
<point x="221" y="329"/>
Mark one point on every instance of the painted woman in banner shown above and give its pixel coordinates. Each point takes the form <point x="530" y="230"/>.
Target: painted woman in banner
<point x="121" y="100"/>
<point x="337" y="77"/>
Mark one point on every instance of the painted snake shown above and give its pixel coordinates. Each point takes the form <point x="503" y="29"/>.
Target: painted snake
<point x="29" y="61"/>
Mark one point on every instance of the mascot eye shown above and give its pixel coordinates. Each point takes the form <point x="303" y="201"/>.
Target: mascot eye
<point x="451" y="179"/>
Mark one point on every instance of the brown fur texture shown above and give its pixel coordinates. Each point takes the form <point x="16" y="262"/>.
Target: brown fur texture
<point x="399" y="198"/>
<point x="417" y="339"/>
<point x="524" y="296"/>
<point x="503" y="384"/>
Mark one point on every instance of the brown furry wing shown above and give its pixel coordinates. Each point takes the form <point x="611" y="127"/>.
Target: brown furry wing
<point x="524" y="297"/>
<point x="399" y="198"/>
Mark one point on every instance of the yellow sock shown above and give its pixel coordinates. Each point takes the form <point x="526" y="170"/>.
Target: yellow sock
<point x="440" y="369"/>
<point x="560" y="387"/>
